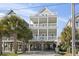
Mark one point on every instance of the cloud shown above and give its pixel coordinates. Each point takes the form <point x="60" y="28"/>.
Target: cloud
<point x="2" y="14"/>
<point x="62" y="21"/>
<point x="11" y="5"/>
<point x="25" y="13"/>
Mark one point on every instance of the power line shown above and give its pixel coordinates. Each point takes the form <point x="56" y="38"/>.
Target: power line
<point x="35" y="7"/>
<point x="39" y="6"/>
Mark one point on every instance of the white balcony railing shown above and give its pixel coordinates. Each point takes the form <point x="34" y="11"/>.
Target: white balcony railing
<point x="44" y="37"/>
<point x="36" y="16"/>
<point x="7" y="40"/>
<point x="43" y="26"/>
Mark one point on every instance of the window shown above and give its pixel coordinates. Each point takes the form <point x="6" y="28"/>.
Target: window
<point x="42" y="34"/>
<point x="36" y="34"/>
<point x="53" y="34"/>
<point x="46" y="14"/>
<point x="77" y="24"/>
<point x="42" y="14"/>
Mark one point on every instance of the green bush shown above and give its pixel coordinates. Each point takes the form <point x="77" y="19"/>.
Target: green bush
<point x="62" y="49"/>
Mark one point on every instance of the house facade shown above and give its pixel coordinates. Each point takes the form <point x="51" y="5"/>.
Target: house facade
<point x="44" y="29"/>
<point x="76" y="29"/>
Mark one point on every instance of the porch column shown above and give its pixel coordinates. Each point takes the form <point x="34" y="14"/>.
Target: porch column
<point x="3" y="46"/>
<point x="38" y="29"/>
<point x="29" y="46"/>
<point x="47" y="27"/>
<point x="42" y="46"/>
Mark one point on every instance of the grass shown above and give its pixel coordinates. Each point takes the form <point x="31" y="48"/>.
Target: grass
<point x="9" y="54"/>
<point x="68" y="54"/>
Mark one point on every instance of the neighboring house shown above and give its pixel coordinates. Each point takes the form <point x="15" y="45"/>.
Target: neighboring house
<point x="76" y="27"/>
<point x="76" y="22"/>
<point x="7" y="44"/>
<point x="59" y="40"/>
<point x="44" y="29"/>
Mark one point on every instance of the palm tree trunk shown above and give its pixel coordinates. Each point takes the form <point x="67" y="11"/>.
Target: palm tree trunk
<point x="0" y="44"/>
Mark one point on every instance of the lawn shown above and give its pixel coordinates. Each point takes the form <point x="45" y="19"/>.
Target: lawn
<point x="9" y="54"/>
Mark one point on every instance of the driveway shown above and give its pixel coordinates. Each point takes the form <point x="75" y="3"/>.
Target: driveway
<point x="39" y="53"/>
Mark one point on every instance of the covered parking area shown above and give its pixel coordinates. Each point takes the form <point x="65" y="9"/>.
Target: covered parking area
<point x="42" y="45"/>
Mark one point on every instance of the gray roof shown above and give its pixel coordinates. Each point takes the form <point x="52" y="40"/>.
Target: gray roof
<point x="11" y="12"/>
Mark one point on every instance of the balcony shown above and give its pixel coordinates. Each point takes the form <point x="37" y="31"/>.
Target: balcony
<point x="42" y="18"/>
<point x="7" y="40"/>
<point x="43" y="26"/>
<point x="44" y="38"/>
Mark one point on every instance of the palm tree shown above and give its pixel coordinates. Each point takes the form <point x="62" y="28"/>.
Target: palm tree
<point x="3" y="28"/>
<point x="28" y="36"/>
<point x="11" y="22"/>
<point x="19" y="28"/>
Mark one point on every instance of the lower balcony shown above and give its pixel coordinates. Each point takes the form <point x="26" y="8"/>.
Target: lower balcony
<point x="44" y="38"/>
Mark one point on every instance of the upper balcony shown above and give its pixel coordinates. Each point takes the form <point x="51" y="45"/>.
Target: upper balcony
<point x="43" y="26"/>
<point x="43" y="19"/>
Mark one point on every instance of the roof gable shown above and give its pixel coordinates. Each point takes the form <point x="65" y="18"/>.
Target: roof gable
<point x="46" y="11"/>
<point x="11" y="12"/>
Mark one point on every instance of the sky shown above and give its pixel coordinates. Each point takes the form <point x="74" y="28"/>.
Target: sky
<point x="24" y="10"/>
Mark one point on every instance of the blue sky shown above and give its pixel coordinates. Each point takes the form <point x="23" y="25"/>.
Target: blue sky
<point x="63" y="11"/>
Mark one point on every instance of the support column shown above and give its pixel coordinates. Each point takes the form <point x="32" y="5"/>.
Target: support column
<point x="3" y="47"/>
<point x="47" y="27"/>
<point x="29" y="47"/>
<point x="42" y="46"/>
<point x="38" y="29"/>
